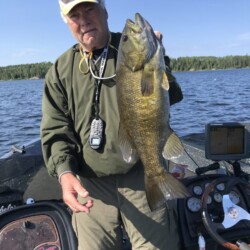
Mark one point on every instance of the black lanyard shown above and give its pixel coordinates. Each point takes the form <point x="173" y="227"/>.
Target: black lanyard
<point x="98" y="81"/>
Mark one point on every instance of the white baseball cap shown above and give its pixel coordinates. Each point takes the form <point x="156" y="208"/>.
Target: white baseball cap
<point x="67" y="5"/>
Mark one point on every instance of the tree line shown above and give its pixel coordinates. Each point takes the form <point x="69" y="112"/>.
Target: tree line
<point x="25" y="71"/>
<point x="210" y="63"/>
<point x="39" y="70"/>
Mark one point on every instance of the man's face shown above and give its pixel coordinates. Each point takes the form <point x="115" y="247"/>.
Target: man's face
<point x="88" y="23"/>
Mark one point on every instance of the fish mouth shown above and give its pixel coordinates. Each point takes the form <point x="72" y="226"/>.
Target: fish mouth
<point x="139" y="20"/>
<point x="137" y="25"/>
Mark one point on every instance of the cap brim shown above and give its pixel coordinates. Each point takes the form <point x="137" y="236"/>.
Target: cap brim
<point x="67" y="7"/>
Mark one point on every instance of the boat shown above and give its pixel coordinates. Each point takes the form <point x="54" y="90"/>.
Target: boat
<point x="215" y="216"/>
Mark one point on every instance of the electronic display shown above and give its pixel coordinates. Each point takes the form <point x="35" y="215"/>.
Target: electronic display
<point x="226" y="141"/>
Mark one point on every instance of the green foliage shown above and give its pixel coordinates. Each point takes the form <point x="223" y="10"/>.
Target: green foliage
<point x="24" y="71"/>
<point x="39" y="70"/>
<point x="209" y="63"/>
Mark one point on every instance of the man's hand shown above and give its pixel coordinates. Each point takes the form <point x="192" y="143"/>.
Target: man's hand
<point x="160" y="37"/>
<point x="71" y="187"/>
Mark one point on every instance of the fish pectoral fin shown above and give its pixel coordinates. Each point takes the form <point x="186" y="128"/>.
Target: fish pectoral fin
<point x="128" y="151"/>
<point x="162" y="188"/>
<point x="175" y="152"/>
<point x="173" y="147"/>
<point x="165" y="82"/>
<point x="147" y="81"/>
<point x="150" y="76"/>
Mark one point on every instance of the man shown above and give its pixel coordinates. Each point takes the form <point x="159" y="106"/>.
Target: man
<point x="99" y="187"/>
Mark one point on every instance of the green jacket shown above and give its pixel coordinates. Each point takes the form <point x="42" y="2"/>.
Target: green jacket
<point x="68" y="110"/>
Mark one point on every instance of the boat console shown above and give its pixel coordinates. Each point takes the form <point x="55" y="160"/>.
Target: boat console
<point x="219" y="205"/>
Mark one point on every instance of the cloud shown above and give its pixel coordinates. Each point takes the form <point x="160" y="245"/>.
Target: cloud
<point x="26" y="52"/>
<point x="234" y="45"/>
<point x="244" y="36"/>
<point x="242" y="42"/>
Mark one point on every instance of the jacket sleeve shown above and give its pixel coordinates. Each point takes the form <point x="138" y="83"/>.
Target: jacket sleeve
<point x="175" y="92"/>
<point x="59" y="143"/>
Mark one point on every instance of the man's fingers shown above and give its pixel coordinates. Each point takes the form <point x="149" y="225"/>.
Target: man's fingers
<point x="72" y="188"/>
<point x="76" y="206"/>
<point x="159" y="35"/>
<point x="83" y="207"/>
<point x="81" y="191"/>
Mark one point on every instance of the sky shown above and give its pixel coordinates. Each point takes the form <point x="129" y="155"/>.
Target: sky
<point x="32" y="31"/>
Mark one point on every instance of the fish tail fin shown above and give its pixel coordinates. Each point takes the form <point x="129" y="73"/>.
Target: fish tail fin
<point x="163" y="187"/>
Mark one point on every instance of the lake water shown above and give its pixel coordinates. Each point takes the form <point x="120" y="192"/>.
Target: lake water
<point x="209" y="96"/>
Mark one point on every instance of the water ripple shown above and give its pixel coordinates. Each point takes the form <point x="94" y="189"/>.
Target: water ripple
<point x="209" y="96"/>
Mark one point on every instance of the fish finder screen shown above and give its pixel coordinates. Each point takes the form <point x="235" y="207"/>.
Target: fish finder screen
<point x="225" y="142"/>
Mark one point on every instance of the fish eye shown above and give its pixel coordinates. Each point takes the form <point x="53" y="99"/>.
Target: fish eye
<point x="124" y="38"/>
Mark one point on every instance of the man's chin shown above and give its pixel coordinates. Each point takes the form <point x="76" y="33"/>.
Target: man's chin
<point x="89" y="43"/>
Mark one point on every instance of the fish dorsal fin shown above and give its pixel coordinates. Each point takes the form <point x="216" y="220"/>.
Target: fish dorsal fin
<point x="173" y="147"/>
<point x="128" y="151"/>
<point x="147" y="80"/>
